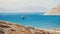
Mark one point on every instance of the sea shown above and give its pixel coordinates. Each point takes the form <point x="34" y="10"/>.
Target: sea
<point x="34" y="20"/>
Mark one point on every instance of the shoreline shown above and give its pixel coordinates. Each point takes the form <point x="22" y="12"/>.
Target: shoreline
<point x="24" y="29"/>
<point x="30" y="26"/>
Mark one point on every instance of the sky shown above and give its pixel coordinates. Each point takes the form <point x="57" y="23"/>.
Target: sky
<point x="27" y="6"/>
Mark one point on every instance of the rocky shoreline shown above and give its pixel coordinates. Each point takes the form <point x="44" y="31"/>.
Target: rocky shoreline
<point x="11" y="28"/>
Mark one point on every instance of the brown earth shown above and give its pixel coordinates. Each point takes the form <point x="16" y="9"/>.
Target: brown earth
<point x="10" y="28"/>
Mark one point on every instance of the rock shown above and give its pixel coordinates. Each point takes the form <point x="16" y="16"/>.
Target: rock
<point x="10" y="28"/>
<point x="54" y="11"/>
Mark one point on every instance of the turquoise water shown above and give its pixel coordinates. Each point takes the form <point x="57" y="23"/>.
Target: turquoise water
<point x="33" y="20"/>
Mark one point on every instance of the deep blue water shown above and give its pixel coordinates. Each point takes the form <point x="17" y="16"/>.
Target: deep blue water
<point x="33" y="20"/>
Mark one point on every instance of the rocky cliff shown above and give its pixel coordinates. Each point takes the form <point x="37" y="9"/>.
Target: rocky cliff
<point x="54" y="11"/>
<point x="10" y="28"/>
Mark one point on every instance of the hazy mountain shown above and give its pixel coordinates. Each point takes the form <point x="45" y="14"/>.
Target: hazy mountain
<point x="54" y="11"/>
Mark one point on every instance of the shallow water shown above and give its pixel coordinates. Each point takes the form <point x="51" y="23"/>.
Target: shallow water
<point x="33" y="20"/>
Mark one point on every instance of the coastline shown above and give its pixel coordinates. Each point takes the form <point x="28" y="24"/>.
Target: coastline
<point x="30" y="30"/>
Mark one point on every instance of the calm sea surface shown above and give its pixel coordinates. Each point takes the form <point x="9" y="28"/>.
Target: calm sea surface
<point x="33" y="20"/>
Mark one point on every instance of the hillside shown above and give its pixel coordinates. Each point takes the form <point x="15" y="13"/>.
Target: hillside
<point x="11" y="28"/>
<point x="54" y="11"/>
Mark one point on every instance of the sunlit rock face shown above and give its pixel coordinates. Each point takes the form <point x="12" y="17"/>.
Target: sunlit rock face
<point x="54" y="11"/>
<point x="10" y="28"/>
